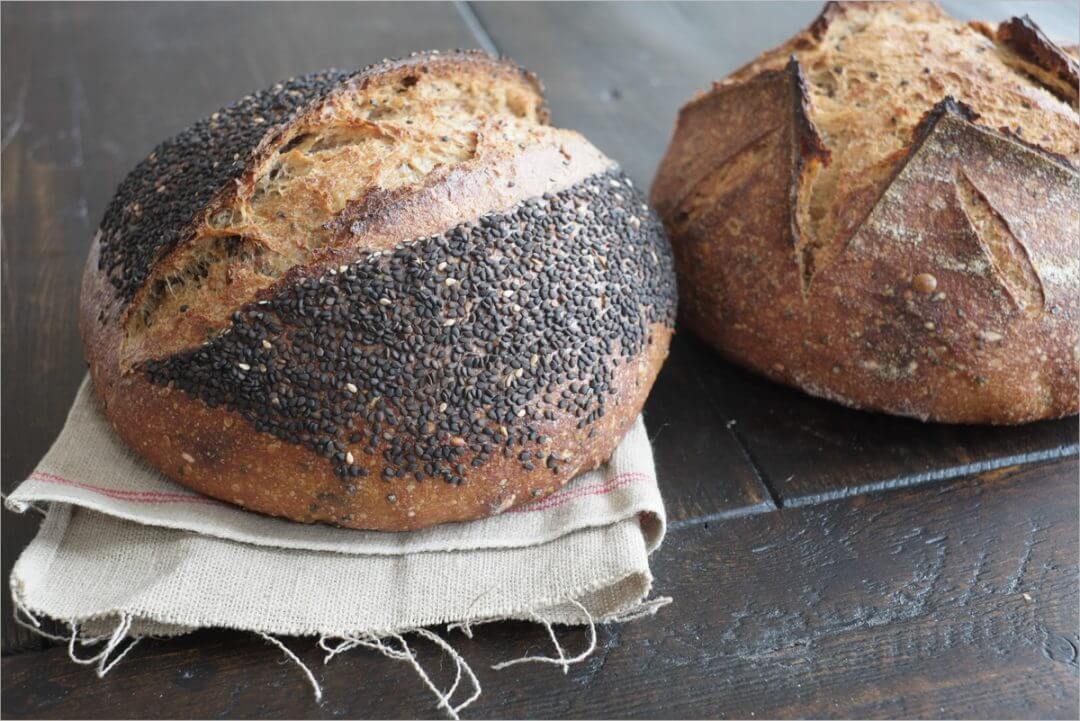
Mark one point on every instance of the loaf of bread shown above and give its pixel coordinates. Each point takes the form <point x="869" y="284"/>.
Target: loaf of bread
<point x="884" y="211"/>
<point x="382" y="299"/>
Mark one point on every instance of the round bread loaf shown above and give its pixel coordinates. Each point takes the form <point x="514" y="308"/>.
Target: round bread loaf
<point x="884" y="211"/>
<point x="382" y="299"/>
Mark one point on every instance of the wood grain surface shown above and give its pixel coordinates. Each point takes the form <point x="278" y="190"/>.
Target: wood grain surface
<point x="884" y="605"/>
<point x="824" y="562"/>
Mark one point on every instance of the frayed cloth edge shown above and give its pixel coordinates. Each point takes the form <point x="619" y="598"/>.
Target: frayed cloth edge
<point x="107" y="657"/>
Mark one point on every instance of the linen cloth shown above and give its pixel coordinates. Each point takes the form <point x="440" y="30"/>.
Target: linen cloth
<point x="122" y="544"/>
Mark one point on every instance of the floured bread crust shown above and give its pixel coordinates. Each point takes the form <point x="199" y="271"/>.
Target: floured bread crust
<point x="883" y="211"/>
<point x="384" y="299"/>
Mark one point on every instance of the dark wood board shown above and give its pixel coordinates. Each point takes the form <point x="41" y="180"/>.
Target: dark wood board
<point x="807" y="450"/>
<point x="703" y="466"/>
<point x="898" y="604"/>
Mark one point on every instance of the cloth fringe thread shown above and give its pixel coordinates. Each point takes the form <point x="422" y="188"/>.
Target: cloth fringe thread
<point x="393" y="646"/>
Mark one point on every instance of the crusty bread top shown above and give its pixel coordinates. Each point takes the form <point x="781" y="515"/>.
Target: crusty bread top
<point x="156" y="204"/>
<point x="191" y="235"/>
<point x="874" y="70"/>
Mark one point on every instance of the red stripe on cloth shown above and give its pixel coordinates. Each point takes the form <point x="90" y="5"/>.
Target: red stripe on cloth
<point x="562" y="497"/>
<point x="135" y="496"/>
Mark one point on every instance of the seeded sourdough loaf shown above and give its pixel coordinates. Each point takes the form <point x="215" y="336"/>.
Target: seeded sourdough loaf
<point x="382" y="299"/>
<point x="884" y="212"/>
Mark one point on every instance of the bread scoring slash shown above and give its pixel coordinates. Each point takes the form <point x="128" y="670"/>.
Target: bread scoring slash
<point x="884" y="211"/>
<point x="383" y="299"/>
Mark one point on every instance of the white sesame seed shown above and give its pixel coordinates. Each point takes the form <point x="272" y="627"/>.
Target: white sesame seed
<point x="351" y="387"/>
<point x="266" y="344"/>
<point x="243" y="366"/>
<point x="348" y="457"/>
<point x="187" y="457"/>
<point x="384" y="301"/>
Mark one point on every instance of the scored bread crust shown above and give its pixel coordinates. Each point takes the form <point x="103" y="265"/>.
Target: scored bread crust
<point x="950" y="289"/>
<point x="217" y="446"/>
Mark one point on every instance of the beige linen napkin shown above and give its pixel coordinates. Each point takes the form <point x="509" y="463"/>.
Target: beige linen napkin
<point x="124" y="552"/>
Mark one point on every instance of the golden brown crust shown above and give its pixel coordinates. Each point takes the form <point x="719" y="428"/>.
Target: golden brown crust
<point x="217" y="448"/>
<point x="1025" y="38"/>
<point x="495" y="179"/>
<point x="308" y="209"/>
<point x="943" y="283"/>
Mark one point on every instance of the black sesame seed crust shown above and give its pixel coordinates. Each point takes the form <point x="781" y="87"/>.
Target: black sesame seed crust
<point x="156" y="206"/>
<point x="449" y="349"/>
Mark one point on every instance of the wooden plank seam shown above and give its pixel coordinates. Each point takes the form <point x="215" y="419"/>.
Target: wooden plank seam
<point x="940" y="474"/>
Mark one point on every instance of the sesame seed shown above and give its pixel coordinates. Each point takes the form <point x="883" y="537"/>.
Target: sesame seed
<point x="924" y="283"/>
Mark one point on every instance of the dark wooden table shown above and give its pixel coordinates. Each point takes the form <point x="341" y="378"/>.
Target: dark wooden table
<point x="823" y="562"/>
